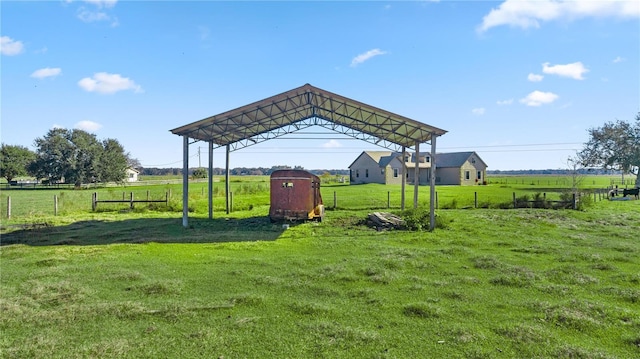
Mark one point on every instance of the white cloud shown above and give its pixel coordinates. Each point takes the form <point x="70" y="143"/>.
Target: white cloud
<point x="366" y="56"/>
<point x="535" y="77"/>
<point x="331" y="144"/>
<point x="619" y="59"/>
<point x="88" y="126"/>
<point x="91" y="16"/>
<point x="574" y="70"/>
<point x="504" y="102"/>
<point x="106" y="83"/>
<point x="538" y="98"/>
<point x="204" y="32"/>
<point x="46" y="72"/>
<point x="102" y="3"/>
<point x="529" y="14"/>
<point x="478" y="111"/>
<point x="10" y="47"/>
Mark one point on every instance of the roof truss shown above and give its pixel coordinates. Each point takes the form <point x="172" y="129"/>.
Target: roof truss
<point x="304" y="107"/>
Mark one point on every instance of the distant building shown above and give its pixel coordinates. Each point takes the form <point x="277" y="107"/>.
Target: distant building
<point x="131" y="174"/>
<point x="385" y="167"/>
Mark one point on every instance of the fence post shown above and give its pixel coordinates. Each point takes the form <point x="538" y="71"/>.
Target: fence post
<point x="475" y="199"/>
<point x="388" y="199"/>
<point x="436" y="200"/>
<point x="335" y="200"/>
<point x="169" y="192"/>
<point x="8" y="207"/>
<point x="575" y="204"/>
<point x="515" y="204"/>
<point x="123" y="195"/>
<point x="166" y="198"/>
<point x="94" y="200"/>
<point x="230" y="202"/>
<point x="131" y="200"/>
<point x="55" y="205"/>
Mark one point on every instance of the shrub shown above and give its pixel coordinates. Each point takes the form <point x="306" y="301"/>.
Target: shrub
<point x="418" y="219"/>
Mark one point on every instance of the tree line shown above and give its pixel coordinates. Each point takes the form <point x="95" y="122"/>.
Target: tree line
<point x="76" y="156"/>
<point x="238" y="171"/>
<point x="67" y="156"/>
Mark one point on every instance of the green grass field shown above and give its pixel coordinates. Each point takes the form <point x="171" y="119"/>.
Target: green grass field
<point x="490" y="283"/>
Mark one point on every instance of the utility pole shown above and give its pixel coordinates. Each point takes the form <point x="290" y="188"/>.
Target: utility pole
<point x="199" y="163"/>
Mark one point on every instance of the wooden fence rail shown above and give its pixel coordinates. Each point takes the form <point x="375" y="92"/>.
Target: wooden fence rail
<point x="130" y="201"/>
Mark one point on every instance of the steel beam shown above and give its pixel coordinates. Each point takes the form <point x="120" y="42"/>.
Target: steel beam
<point x="416" y="176"/>
<point x="185" y="181"/>
<point x="432" y="184"/>
<point x="210" y="180"/>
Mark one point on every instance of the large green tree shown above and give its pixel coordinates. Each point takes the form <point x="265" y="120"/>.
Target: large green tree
<point x="616" y="146"/>
<point x="14" y="161"/>
<point x="113" y="162"/>
<point x="54" y="156"/>
<point x="78" y="157"/>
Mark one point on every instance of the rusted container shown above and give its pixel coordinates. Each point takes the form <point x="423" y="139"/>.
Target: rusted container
<point x="295" y="195"/>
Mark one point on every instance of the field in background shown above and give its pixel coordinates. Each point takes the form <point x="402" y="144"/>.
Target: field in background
<point x="252" y="192"/>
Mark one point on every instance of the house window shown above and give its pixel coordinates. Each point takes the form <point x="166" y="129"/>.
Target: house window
<point x="287" y="184"/>
<point x="357" y="173"/>
<point x="382" y="171"/>
<point x="366" y="173"/>
<point x="395" y="172"/>
<point x="428" y="159"/>
<point x="130" y="174"/>
<point x="479" y="175"/>
<point x="467" y="175"/>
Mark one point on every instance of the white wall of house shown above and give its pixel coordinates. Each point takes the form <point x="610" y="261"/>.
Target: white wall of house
<point x="448" y="175"/>
<point x="131" y="175"/>
<point x="365" y="170"/>
<point x="393" y="172"/>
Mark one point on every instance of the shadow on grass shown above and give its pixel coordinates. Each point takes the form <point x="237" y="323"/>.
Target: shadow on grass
<point x="144" y="230"/>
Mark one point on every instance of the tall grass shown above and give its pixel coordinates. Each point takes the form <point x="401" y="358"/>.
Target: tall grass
<point x="494" y="284"/>
<point x="249" y="192"/>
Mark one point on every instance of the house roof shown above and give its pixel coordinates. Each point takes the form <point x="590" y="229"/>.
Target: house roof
<point x="374" y="155"/>
<point x="303" y="107"/>
<point x="384" y="158"/>
<point x="443" y="160"/>
<point x="455" y="159"/>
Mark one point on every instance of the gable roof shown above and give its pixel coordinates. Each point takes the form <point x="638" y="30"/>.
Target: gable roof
<point x="455" y="159"/>
<point x="443" y="160"/>
<point x="374" y="155"/>
<point x="303" y="107"/>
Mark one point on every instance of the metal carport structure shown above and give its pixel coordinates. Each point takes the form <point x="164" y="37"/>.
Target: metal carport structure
<point x="298" y="109"/>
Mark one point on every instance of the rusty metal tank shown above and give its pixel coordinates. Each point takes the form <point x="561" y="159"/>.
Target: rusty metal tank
<point x="295" y="195"/>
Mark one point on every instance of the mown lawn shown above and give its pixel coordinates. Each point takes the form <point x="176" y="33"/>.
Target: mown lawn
<point x="494" y="283"/>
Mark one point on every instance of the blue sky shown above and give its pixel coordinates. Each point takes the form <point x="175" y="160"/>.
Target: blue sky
<point x="518" y="82"/>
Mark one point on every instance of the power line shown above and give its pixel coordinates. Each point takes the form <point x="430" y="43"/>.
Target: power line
<point x="285" y="150"/>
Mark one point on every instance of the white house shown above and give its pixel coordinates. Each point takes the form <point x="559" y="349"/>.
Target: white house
<point x="385" y="167"/>
<point x="131" y="174"/>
